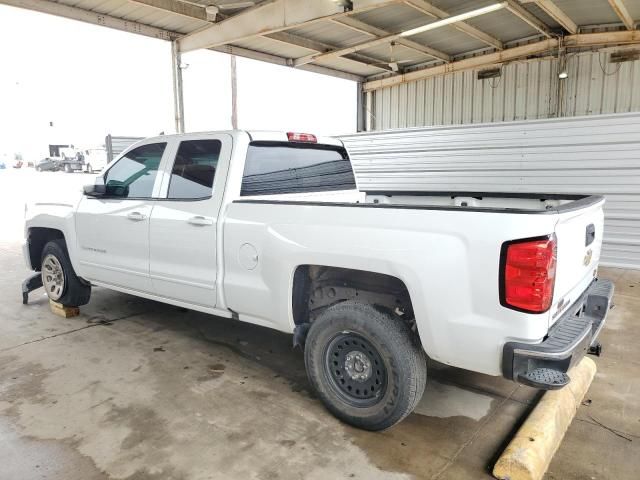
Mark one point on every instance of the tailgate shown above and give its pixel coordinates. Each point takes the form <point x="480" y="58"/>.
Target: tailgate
<point x="579" y="235"/>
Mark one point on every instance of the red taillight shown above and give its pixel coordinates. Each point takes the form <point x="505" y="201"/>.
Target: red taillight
<point x="528" y="274"/>
<point x="301" y="137"/>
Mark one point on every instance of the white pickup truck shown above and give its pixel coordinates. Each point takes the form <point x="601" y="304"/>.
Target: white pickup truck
<point x="270" y="228"/>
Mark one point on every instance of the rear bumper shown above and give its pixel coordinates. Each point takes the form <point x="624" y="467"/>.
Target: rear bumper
<point x="568" y="340"/>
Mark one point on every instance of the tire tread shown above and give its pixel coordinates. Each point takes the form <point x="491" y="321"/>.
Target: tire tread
<point x="394" y="335"/>
<point x="77" y="292"/>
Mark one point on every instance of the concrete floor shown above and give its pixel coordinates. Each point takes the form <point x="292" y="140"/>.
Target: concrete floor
<point x="134" y="389"/>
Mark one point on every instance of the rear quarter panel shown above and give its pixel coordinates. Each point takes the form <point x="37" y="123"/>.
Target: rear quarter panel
<point x="449" y="261"/>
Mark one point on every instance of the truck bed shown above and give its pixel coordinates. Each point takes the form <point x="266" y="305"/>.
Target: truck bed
<point x="496" y="202"/>
<point x="486" y="201"/>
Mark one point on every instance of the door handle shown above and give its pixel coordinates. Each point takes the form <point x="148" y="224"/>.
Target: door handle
<point x="200" y="221"/>
<point x="136" y="216"/>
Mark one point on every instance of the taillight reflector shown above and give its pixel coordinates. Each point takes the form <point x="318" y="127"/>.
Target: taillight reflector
<point x="528" y="274"/>
<point x="301" y="137"/>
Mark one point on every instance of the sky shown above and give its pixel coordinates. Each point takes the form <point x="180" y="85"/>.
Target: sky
<point x="89" y="81"/>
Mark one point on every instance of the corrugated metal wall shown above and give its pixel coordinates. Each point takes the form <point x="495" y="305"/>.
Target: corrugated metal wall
<point x="525" y="91"/>
<point x="590" y="155"/>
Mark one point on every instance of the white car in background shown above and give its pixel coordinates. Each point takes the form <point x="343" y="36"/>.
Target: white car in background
<point x="95" y="159"/>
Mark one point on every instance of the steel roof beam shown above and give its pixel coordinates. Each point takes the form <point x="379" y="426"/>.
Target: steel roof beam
<point x="622" y="12"/>
<point x="195" y="11"/>
<point x="298" y="41"/>
<point x="95" y="18"/>
<point x="186" y="9"/>
<point x="270" y="16"/>
<point x="525" y="15"/>
<point x="581" y="40"/>
<point x="275" y="59"/>
<point x="362" y="27"/>
<point x="435" y="12"/>
<point x="556" y="13"/>
<point x="100" y="19"/>
<point x="398" y="36"/>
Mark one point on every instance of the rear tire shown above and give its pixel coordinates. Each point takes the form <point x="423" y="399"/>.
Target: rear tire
<point x="58" y="277"/>
<point x="368" y="368"/>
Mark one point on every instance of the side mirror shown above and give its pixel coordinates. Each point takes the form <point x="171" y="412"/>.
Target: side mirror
<point x="98" y="189"/>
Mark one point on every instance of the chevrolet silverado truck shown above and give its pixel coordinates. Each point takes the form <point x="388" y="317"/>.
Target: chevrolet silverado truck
<point x="271" y="229"/>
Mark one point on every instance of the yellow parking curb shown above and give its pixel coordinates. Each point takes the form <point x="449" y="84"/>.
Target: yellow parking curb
<point x="529" y="454"/>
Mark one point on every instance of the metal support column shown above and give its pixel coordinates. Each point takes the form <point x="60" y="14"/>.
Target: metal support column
<point x="178" y="100"/>
<point x="368" y="106"/>
<point x="360" y="106"/>
<point x="234" y="94"/>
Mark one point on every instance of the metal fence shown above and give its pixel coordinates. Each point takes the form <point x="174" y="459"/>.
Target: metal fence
<point x="116" y="145"/>
<point x="587" y="155"/>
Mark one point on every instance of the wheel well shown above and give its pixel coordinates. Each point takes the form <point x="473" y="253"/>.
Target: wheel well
<point x="317" y="287"/>
<point x="38" y="238"/>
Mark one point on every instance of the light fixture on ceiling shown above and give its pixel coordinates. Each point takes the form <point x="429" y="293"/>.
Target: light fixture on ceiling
<point x="625" y="56"/>
<point x="489" y="73"/>
<point x="212" y="12"/>
<point x="563" y="74"/>
<point x="454" y="19"/>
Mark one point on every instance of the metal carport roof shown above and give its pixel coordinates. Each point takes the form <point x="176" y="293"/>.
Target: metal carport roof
<point x="368" y="41"/>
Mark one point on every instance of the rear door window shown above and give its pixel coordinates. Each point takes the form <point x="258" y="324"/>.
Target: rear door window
<point x="275" y="168"/>
<point x="194" y="169"/>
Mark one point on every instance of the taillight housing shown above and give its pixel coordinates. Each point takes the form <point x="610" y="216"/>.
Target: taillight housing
<point x="528" y="273"/>
<point x="302" y="137"/>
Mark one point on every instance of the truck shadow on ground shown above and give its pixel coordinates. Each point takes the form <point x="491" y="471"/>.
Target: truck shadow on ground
<point x="464" y="418"/>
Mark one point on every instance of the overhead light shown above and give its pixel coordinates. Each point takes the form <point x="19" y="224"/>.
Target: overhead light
<point x="212" y="12"/>
<point x="563" y="74"/>
<point x="394" y="66"/>
<point x="454" y="19"/>
<point x="625" y="56"/>
<point x="489" y="73"/>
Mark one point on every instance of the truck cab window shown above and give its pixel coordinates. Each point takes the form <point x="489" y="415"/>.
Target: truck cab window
<point x="275" y="168"/>
<point x="135" y="173"/>
<point x="194" y="169"/>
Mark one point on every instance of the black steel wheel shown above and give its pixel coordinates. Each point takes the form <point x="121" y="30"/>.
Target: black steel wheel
<point x="367" y="366"/>
<point x="356" y="369"/>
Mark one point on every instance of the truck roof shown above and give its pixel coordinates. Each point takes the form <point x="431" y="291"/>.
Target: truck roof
<point x="255" y="135"/>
